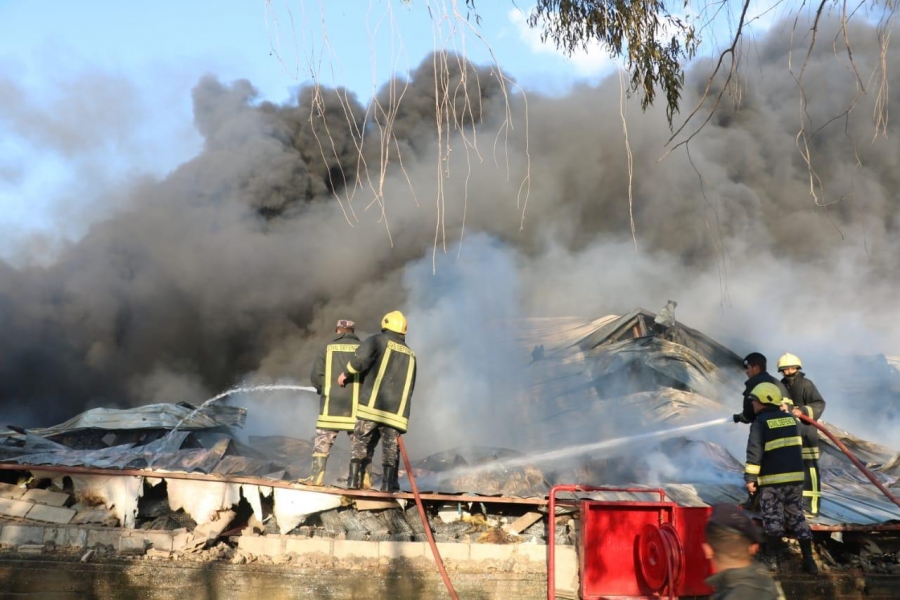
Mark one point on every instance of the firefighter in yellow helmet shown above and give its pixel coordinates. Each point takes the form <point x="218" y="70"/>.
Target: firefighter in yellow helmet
<point x="805" y="400"/>
<point x="386" y="367"/>
<point x="774" y="468"/>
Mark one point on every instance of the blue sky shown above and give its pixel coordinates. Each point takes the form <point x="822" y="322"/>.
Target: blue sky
<point x="95" y="93"/>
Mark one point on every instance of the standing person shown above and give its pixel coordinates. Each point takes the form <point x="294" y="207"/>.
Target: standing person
<point x="775" y="468"/>
<point x="337" y="403"/>
<point x="387" y="367"/>
<point x="732" y="540"/>
<point x="807" y="401"/>
<point x="755" y="369"/>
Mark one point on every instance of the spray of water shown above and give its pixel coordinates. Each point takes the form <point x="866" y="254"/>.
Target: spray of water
<point x="238" y="390"/>
<point x="257" y="388"/>
<point x="580" y="449"/>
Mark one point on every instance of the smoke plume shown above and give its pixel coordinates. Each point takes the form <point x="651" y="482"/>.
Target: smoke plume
<point x="234" y="267"/>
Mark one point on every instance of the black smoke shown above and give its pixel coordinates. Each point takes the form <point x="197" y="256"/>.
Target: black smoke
<point x="235" y="266"/>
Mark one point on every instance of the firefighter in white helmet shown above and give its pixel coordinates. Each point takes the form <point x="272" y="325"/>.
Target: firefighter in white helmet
<point x="805" y="400"/>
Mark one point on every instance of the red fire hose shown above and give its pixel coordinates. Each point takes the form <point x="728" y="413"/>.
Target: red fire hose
<point x="871" y="477"/>
<point x="425" y="525"/>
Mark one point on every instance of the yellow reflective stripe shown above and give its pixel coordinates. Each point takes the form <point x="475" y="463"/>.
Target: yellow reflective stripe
<point x="381" y="370"/>
<point x="381" y="416"/>
<point x="809" y="411"/>
<point x="792" y="477"/>
<point x="783" y="422"/>
<point x="351" y="370"/>
<point x="814" y="493"/>
<point x="810" y="453"/>
<point x="409" y="374"/>
<point x="341" y="423"/>
<point x="793" y="440"/>
<point x="752" y="469"/>
<point x="329" y="356"/>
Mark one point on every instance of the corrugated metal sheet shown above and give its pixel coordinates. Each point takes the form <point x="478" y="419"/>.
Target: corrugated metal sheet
<point x="590" y="381"/>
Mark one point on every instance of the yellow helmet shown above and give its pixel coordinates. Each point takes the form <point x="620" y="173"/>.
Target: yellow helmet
<point x="789" y="360"/>
<point x="767" y="393"/>
<point x="394" y="321"/>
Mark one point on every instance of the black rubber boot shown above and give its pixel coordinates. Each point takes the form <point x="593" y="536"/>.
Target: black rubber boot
<point x="354" y="480"/>
<point x="809" y="561"/>
<point x="389" y="479"/>
<point x="317" y="474"/>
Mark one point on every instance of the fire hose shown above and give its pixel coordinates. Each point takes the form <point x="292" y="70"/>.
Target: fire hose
<point x="425" y="524"/>
<point x="869" y="475"/>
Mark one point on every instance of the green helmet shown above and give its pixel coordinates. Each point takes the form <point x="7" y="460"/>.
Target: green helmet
<point x="767" y="393"/>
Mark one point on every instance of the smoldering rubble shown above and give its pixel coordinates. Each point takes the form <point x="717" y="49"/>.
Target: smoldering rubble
<point x="619" y="400"/>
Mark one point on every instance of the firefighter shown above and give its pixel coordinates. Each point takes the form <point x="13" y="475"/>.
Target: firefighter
<point x="755" y="369"/>
<point x="387" y="368"/>
<point x="337" y="403"/>
<point x="805" y="400"/>
<point x="775" y="469"/>
<point x="732" y="540"/>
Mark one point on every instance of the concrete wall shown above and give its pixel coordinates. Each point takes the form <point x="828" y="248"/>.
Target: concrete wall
<point x="380" y="568"/>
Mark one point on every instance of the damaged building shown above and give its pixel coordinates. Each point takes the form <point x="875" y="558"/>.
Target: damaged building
<point x="618" y="402"/>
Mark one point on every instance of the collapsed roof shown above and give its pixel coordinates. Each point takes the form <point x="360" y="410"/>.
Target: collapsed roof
<point x="605" y="399"/>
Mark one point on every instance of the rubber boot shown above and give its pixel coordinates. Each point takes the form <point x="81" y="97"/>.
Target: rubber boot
<point x="809" y="562"/>
<point x="354" y="479"/>
<point x="366" y="469"/>
<point x="389" y="479"/>
<point x="317" y="475"/>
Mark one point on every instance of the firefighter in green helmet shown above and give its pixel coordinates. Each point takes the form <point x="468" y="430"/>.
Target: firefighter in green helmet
<point x="774" y="468"/>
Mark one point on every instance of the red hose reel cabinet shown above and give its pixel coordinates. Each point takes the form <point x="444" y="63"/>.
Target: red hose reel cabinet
<point x="632" y="549"/>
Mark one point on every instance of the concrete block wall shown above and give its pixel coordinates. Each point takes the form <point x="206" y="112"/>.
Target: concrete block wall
<point x="35" y="505"/>
<point x="138" y="541"/>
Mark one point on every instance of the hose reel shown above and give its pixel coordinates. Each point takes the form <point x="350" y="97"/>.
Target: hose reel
<point x="661" y="556"/>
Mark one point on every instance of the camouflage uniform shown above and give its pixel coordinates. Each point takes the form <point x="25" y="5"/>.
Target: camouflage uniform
<point x="775" y="465"/>
<point x="324" y="440"/>
<point x="365" y="438"/>
<point x="337" y="404"/>
<point x="782" y="511"/>
<point x="387" y="368"/>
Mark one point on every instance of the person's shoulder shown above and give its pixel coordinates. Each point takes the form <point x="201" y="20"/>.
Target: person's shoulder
<point x="753" y="582"/>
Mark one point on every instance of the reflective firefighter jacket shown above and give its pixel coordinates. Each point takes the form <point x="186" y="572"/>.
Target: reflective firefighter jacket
<point x="337" y="405"/>
<point x="773" y="450"/>
<point x="387" y="367"/>
<point x="748" y="416"/>
<point x="806" y="397"/>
